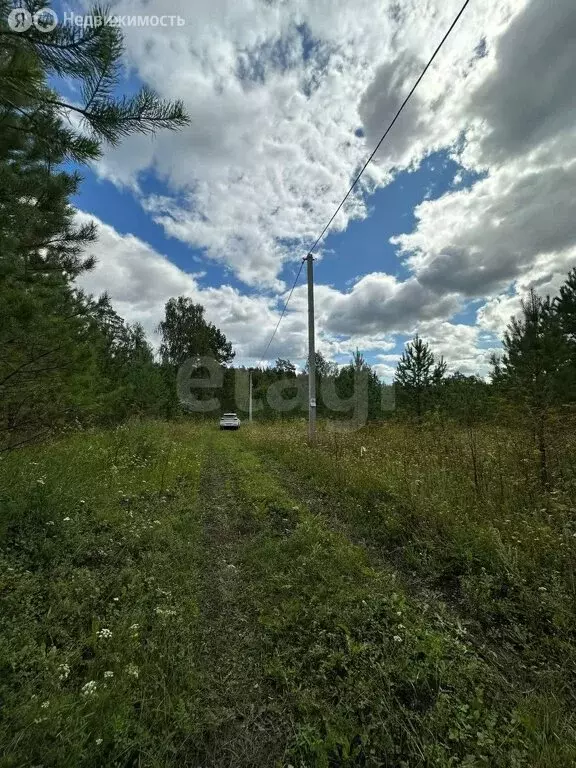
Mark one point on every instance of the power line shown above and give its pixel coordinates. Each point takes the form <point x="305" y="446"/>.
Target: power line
<point x="367" y="163"/>
<point x="387" y="131"/>
<point x="282" y="315"/>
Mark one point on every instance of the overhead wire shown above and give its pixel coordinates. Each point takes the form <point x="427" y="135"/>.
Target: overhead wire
<point x="263" y="358"/>
<point x="366" y="164"/>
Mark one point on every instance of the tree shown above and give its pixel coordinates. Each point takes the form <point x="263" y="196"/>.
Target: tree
<point x="90" y="55"/>
<point x="466" y="398"/>
<point x="359" y="384"/>
<point x="535" y="370"/>
<point x="48" y="367"/>
<point x="565" y="308"/>
<point x="50" y="342"/>
<point x="285" y="368"/>
<point x="324" y="367"/>
<point x="186" y="334"/>
<point x="417" y="376"/>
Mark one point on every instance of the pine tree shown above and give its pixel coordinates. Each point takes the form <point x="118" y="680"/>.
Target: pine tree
<point x="417" y="376"/>
<point x="52" y="367"/>
<point x="535" y="369"/>
<point x="91" y="56"/>
<point x="565" y="308"/>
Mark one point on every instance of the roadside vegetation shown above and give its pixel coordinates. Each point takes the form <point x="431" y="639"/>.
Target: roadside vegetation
<point x="172" y="595"/>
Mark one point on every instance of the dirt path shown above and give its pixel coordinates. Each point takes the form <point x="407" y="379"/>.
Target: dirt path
<point x="230" y="648"/>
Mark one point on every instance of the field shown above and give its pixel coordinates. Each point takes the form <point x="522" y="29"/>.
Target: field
<point x="397" y="596"/>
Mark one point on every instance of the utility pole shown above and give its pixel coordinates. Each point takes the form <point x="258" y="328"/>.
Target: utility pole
<point x="311" y="352"/>
<point x="250" y="396"/>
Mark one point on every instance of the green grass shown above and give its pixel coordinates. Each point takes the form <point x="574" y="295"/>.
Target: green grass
<point x="172" y="595"/>
<point x="505" y="551"/>
<point x="98" y="596"/>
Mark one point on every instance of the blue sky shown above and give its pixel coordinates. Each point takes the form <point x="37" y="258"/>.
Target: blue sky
<point x="448" y="230"/>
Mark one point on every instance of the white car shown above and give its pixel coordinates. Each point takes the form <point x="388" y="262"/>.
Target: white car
<point x="229" y="421"/>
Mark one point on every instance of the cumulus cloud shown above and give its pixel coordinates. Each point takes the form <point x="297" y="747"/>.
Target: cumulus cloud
<point x="286" y="101"/>
<point x="140" y="281"/>
<point x="380" y="302"/>
<point x="529" y="97"/>
<point x="460" y="345"/>
<point x="276" y="93"/>
<point x="515" y="227"/>
<point x="475" y="241"/>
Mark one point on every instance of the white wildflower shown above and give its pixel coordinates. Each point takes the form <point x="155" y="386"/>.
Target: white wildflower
<point x="89" y="688"/>
<point x="397" y="639"/>
<point x="104" y="634"/>
<point x="45" y="704"/>
<point x="66" y="519"/>
<point x="98" y="742"/>
<point x="108" y="674"/>
<point x="133" y="670"/>
<point x="165" y="611"/>
<point x="63" y="671"/>
<point x="50" y="522"/>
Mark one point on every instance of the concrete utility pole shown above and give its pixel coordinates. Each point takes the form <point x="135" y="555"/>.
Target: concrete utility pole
<point x="250" y="396"/>
<point x="311" y="351"/>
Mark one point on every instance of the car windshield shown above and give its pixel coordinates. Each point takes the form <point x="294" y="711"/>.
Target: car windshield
<point x="229" y="416"/>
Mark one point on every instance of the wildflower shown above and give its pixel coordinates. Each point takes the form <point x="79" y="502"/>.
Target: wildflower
<point x="133" y="670"/>
<point x="397" y="639"/>
<point x="63" y="671"/>
<point x="104" y="634"/>
<point x="362" y="450"/>
<point x="50" y="522"/>
<point x="89" y="688"/>
<point x="98" y="742"/>
<point x="542" y="589"/>
<point x="45" y="704"/>
<point x="66" y="519"/>
<point x="135" y="627"/>
<point x="108" y="674"/>
<point x="165" y="611"/>
<point x="41" y="481"/>
<point x="115" y="599"/>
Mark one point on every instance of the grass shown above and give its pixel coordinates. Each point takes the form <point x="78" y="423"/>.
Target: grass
<point x="176" y="596"/>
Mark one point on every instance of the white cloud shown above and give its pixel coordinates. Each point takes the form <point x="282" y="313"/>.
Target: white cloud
<point x="140" y="281"/>
<point x="515" y="227"/>
<point x="276" y="92"/>
<point x="459" y="345"/>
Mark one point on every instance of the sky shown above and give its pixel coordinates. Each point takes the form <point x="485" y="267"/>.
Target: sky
<point x="468" y="203"/>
